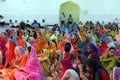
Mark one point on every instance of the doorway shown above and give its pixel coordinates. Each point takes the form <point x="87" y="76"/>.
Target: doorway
<point x="72" y="8"/>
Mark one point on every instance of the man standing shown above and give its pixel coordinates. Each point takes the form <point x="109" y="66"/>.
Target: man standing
<point x="62" y="18"/>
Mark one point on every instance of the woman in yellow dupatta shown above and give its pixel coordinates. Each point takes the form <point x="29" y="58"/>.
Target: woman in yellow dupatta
<point x="40" y="43"/>
<point x="59" y="40"/>
<point x="51" y="48"/>
<point x="44" y="61"/>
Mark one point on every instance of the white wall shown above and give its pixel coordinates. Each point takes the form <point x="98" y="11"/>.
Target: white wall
<point x="94" y="10"/>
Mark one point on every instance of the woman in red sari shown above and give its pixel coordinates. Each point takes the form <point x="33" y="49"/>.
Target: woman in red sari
<point x="2" y="49"/>
<point x="9" y="52"/>
<point x="102" y="47"/>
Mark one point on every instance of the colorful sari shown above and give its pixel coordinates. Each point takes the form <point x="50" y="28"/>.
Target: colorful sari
<point x="113" y="33"/>
<point x="94" y="50"/>
<point x="102" y="48"/>
<point x="108" y="62"/>
<point x="82" y="32"/>
<point x="101" y="31"/>
<point x="45" y="61"/>
<point x="52" y="50"/>
<point x="110" y="42"/>
<point x="10" y="51"/>
<point x="117" y="47"/>
<point x="32" y="70"/>
<point x="116" y="73"/>
<point x="59" y="40"/>
<point x="31" y="40"/>
<point x="47" y="35"/>
<point x="20" y="41"/>
<point x="2" y="49"/>
<point x="25" y="35"/>
<point x="8" y="73"/>
<point x="41" y="43"/>
<point x="66" y="64"/>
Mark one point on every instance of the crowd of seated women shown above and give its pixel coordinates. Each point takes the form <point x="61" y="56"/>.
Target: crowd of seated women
<point x="71" y="52"/>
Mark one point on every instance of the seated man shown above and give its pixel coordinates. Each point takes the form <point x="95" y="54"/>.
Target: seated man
<point x="2" y="22"/>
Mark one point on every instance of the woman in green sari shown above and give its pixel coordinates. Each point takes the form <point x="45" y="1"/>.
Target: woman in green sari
<point x="109" y="59"/>
<point x="25" y="35"/>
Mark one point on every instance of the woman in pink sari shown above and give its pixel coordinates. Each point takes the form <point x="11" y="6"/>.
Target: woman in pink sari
<point x="32" y="70"/>
<point x="102" y="47"/>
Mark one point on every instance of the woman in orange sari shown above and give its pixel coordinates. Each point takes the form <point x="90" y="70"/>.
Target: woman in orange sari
<point x="41" y="43"/>
<point x="20" y="61"/>
<point x="20" y="40"/>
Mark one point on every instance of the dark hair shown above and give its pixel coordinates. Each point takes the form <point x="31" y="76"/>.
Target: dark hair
<point x="55" y="42"/>
<point x="48" y="42"/>
<point x="97" y="69"/>
<point x="29" y="47"/>
<point x="35" y="35"/>
<point x="112" y="48"/>
<point x="82" y="58"/>
<point x="68" y="44"/>
<point x="67" y="48"/>
<point x="28" y="32"/>
<point x="118" y="64"/>
<point x="94" y="65"/>
<point x="18" y="34"/>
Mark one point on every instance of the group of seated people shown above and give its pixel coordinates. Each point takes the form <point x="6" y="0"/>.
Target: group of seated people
<point x="71" y="52"/>
<point x="15" y="24"/>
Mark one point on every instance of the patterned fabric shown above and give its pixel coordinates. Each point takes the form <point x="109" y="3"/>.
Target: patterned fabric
<point x="32" y="70"/>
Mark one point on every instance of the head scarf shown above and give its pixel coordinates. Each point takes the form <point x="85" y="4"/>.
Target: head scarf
<point x="21" y="50"/>
<point x="33" y="42"/>
<point x="66" y="64"/>
<point x="10" y="50"/>
<point x="94" y="50"/>
<point x="33" y="64"/>
<point x="103" y="47"/>
<point x="111" y="42"/>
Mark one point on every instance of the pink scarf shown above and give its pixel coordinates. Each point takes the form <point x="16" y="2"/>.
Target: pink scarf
<point x="33" y="64"/>
<point x="66" y="64"/>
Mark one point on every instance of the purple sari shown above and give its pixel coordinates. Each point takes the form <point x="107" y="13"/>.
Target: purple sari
<point x="116" y="73"/>
<point x="117" y="47"/>
<point x="94" y="50"/>
<point x="32" y="70"/>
